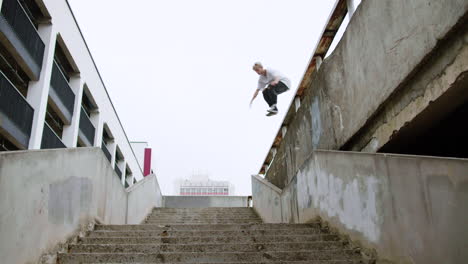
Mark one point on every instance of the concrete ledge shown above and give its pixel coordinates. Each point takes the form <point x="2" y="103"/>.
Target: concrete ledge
<point x="48" y="196"/>
<point x="266" y="200"/>
<point x="204" y="201"/>
<point x="411" y="209"/>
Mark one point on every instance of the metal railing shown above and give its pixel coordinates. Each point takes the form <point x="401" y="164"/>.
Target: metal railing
<point x="118" y="171"/>
<point x="86" y="126"/>
<point x="60" y="85"/>
<point x="14" y="106"/>
<point x="50" y="140"/>
<point x="14" y="13"/>
<point x="106" y="151"/>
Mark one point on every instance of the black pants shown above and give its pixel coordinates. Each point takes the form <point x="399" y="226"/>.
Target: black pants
<point x="271" y="93"/>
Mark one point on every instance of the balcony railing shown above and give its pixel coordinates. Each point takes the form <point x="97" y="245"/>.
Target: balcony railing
<point x="106" y="151"/>
<point x="50" y="140"/>
<point x="22" y="29"/>
<point x="61" y="93"/>
<point x="15" y="112"/>
<point x="86" y="127"/>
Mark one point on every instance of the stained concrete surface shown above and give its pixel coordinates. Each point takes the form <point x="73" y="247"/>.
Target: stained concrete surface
<point x="47" y="196"/>
<point x="267" y="201"/>
<point x="241" y="239"/>
<point x="142" y="198"/>
<point x="385" y="44"/>
<point x="411" y="209"/>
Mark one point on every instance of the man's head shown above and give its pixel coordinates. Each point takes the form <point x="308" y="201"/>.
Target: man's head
<point x="258" y="68"/>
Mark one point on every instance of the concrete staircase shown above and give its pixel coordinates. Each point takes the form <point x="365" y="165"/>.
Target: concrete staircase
<point x="210" y="235"/>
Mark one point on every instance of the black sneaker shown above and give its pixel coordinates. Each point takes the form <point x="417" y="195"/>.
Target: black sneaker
<point x="273" y="110"/>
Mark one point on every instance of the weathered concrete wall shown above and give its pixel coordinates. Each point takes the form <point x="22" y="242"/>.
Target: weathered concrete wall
<point x="434" y="90"/>
<point x="410" y="209"/>
<point x="204" y="201"/>
<point x="141" y="202"/>
<point x="385" y="44"/>
<point x="267" y="202"/>
<point x="48" y="196"/>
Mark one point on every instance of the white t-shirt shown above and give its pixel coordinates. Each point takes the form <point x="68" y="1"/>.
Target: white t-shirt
<point x="271" y="74"/>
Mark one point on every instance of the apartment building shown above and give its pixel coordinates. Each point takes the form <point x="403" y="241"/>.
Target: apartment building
<point x="202" y="185"/>
<point x="51" y="92"/>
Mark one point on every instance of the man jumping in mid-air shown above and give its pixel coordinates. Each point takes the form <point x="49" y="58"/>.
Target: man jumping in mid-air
<point x="272" y="83"/>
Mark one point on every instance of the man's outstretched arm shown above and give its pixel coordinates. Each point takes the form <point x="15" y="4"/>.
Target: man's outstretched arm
<point x="254" y="96"/>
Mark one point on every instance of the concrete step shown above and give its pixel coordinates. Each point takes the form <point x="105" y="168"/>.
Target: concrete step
<point x="157" y="213"/>
<point x="200" y="212"/>
<point x="204" y="209"/>
<point x="255" y="262"/>
<point x="246" y="212"/>
<point x="201" y="222"/>
<point x="194" y="257"/>
<point x="155" y="227"/>
<point x="204" y="217"/>
<point x="224" y="218"/>
<point x="210" y="239"/>
<point x="203" y="233"/>
<point x="229" y="247"/>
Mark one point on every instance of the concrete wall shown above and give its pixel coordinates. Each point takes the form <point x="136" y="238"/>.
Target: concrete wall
<point x="47" y="196"/>
<point x="410" y="209"/>
<point x="141" y="202"/>
<point x="386" y="42"/>
<point x="267" y="202"/>
<point x="204" y="201"/>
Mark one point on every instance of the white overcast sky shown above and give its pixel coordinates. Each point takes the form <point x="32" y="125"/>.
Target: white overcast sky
<point x="179" y="74"/>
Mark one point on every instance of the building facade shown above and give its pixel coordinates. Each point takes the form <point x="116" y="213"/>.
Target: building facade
<point x="201" y="185"/>
<point x="51" y="92"/>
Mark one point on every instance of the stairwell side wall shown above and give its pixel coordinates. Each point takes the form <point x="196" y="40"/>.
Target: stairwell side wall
<point x="411" y="209"/>
<point x="142" y="198"/>
<point x="49" y="196"/>
<point x="267" y="200"/>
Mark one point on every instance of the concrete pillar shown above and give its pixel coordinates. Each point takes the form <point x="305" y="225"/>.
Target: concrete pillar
<point x="112" y="147"/>
<point x="284" y="129"/>
<point x="129" y="179"/>
<point x="318" y="62"/>
<point x="147" y="162"/>
<point x="38" y="91"/>
<point x="70" y="132"/>
<point x="99" y="126"/>
<point x="351" y="8"/>
<point x="297" y="102"/>
<point x="122" y="165"/>
<point x="273" y="152"/>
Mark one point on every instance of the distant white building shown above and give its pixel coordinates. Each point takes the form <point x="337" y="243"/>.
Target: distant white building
<point x="201" y="185"/>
